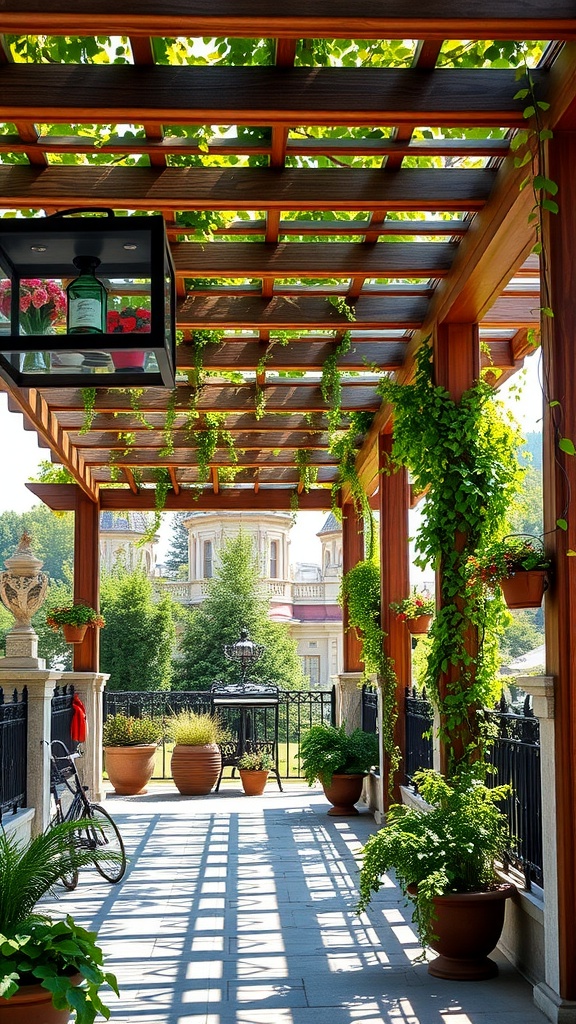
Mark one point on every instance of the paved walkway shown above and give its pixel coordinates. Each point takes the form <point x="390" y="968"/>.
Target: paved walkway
<point x="240" y="910"/>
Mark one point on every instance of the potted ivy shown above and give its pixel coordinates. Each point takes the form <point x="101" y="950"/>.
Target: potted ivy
<point x="443" y="859"/>
<point x="74" y="620"/>
<point x="519" y="565"/>
<point x="47" y="967"/>
<point x="254" y="769"/>
<point x="416" y="611"/>
<point x="196" y="758"/>
<point x="340" y="761"/>
<point x="130" y="746"/>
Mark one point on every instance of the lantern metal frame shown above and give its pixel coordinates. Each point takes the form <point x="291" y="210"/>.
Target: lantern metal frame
<point x="128" y="248"/>
<point x="244" y="652"/>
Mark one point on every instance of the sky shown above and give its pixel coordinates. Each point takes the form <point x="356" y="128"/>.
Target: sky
<point x="20" y="457"/>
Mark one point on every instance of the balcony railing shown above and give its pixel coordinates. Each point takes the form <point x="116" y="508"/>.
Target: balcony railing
<point x="13" y="746"/>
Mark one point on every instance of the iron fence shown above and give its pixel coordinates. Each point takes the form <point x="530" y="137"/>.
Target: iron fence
<point x="61" y="715"/>
<point x="298" y="710"/>
<point x="516" y="756"/>
<point x="369" y="708"/>
<point x="419" y="718"/>
<point x="13" y="746"/>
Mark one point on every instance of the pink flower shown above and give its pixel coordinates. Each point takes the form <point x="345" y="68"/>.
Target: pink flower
<point x="39" y="297"/>
<point x="25" y="300"/>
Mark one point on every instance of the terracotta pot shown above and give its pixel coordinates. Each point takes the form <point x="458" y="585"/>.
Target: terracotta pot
<point x="130" y="768"/>
<point x="420" y="624"/>
<point x="253" y="782"/>
<point x="467" y="928"/>
<point x="74" y="634"/>
<point x="33" y="1003"/>
<point x="524" y="589"/>
<point x="195" y="770"/>
<point x="344" y="791"/>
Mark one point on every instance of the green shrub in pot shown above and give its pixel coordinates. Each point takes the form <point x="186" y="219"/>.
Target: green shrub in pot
<point x="327" y="750"/>
<point x="125" y="731"/>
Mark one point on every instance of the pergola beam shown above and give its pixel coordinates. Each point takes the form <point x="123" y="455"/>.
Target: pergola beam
<point x="432" y="19"/>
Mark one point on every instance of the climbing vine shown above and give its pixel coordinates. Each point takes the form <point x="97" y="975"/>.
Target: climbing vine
<point x="463" y="455"/>
<point x="344" y="446"/>
<point x="331" y="384"/>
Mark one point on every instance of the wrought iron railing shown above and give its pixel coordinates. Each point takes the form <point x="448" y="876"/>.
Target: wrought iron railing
<point x="516" y="757"/>
<point x="369" y="708"/>
<point x="419" y="718"/>
<point x="13" y="747"/>
<point x="298" y="710"/>
<point x="61" y="716"/>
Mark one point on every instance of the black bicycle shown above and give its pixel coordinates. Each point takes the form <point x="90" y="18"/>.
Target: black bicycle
<point x="99" y="833"/>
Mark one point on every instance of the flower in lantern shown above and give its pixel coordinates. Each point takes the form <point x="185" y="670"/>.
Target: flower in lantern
<point x="42" y="305"/>
<point x="129" y="320"/>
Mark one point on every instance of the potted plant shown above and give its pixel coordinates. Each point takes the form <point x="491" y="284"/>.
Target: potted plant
<point x="130" y="746"/>
<point x="47" y="967"/>
<point x="443" y="858"/>
<point x="416" y="611"/>
<point x="519" y="565"/>
<point x="340" y="761"/>
<point x="196" y="758"/>
<point x="254" y="769"/>
<point x="128" y="320"/>
<point x="74" y="620"/>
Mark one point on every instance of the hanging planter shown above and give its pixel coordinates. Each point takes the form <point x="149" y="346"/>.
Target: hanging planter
<point x="74" y="620"/>
<point x="419" y="625"/>
<point x="74" y="634"/>
<point x="525" y="589"/>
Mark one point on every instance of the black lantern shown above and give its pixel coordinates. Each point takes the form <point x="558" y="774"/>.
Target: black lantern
<point x="87" y="302"/>
<point x="244" y="652"/>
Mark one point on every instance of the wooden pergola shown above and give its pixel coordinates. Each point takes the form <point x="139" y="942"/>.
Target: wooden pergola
<point x="388" y="184"/>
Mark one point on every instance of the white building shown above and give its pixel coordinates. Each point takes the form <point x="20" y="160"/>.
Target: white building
<point x="122" y="540"/>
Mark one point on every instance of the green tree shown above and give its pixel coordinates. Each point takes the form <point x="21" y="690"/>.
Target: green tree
<point x="235" y="601"/>
<point x="137" y="642"/>
<point x="52" y="537"/>
<point x="176" y="561"/>
<point x="522" y="635"/>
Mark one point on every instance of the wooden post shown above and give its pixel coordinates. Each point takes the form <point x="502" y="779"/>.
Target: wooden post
<point x="86" y="575"/>
<point x="456" y="368"/>
<point x="352" y="553"/>
<point x="395" y="584"/>
<point x="560" y="502"/>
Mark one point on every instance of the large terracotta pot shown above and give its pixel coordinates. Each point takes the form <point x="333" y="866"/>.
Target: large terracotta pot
<point x="253" y="782"/>
<point x="130" y="768"/>
<point x="467" y="928"/>
<point x="344" y="791"/>
<point x="195" y="770"/>
<point x="524" y="589"/>
<point x="74" y="634"/>
<point x="419" y="624"/>
<point x="32" y="1004"/>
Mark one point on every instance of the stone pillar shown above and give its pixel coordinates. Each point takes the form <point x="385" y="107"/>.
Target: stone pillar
<point x="349" y="700"/>
<point x="90" y="686"/>
<point x="546" y="994"/>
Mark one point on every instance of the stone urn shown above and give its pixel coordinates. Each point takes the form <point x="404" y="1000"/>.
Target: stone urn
<point x="22" y="591"/>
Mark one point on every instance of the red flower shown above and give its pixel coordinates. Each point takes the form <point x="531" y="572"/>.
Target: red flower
<point x="128" y="323"/>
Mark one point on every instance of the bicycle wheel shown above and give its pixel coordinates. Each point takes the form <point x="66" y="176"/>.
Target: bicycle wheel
<point x="69" y="877"/>
<point x="101" y="834"/>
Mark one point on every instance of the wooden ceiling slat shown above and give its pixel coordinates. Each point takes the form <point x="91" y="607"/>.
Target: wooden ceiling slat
<point x="303" y="259"/>
<point x="247" y="188"/>
<point x="296" y="355"/>
<point x="73" y="419"/>
<point x="183" y="457"/>
<point x="307" y="311"/>
<point x="432" y="19"/>
<point x="119" y="94"/>
<point x="430" y="227"/>
<point x="247" y="440"/>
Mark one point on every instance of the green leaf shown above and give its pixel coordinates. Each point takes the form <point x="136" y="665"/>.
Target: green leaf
<point x="550" y="205"/>
<point x="566" y="445"/>
<point x="561" y="524"/>
<point x="547" y="311"/>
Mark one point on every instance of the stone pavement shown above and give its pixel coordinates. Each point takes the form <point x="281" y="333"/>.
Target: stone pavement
<point x="240" y="910"/>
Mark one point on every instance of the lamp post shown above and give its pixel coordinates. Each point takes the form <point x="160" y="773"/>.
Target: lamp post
<point x="244" y="652"/>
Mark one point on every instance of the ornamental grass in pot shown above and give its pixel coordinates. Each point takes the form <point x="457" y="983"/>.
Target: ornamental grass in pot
<point x="130" y="746"/>
<point x="196" y="758"/>
<point x="340" y="761"/>
<point x="443" y="859"/>
<point x="48" y="968"/>
<point x="254" y="769"/>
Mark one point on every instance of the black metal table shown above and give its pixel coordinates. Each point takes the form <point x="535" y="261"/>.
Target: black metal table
<point x="246" y="699"/>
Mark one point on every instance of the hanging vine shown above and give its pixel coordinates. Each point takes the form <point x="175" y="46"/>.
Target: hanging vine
<point x="331" y="383"/>
<point x="308" y="474"/>
<point x="463" y="455"/>
<point x="344" y="446"/>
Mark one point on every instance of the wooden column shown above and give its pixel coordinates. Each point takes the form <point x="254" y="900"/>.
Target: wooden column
<point x="352" y="553"/>
<point x="395" y="583"/>
<point x="456" y="368"/>
<point x="86" y="575"/>
<point x="560" y="502"/>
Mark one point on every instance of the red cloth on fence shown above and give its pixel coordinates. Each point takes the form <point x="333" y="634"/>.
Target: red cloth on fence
<point x="79" y="724"/>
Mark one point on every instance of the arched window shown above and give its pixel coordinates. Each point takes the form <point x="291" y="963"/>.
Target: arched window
<point x="208" y="567"/>
<point x="274" y="560"/>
